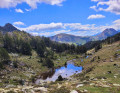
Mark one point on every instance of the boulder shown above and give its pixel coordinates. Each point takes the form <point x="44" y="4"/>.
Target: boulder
<point x="85" y="90"/>
<point x="73" y="91"/>
<point x="59" y="86"/>
<point x="40" y="89"/>
<point x="106" y="86"/>
<point x="92" y="84"/>
<point x="10" y="86"/>
<point x="80" y="85"/>
<point x="116" y="85"/>
<point x="111" y="60"/>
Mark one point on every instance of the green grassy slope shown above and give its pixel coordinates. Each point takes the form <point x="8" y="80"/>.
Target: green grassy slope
<point x="100" y="75"/>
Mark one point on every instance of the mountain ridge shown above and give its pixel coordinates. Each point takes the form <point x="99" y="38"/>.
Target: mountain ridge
<point x="68" y="38"/>
<point x="106" y="33"/>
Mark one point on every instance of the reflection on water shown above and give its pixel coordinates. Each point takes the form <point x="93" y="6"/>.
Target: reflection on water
<point x="48" y="74"/>
<point x="65" y="72"/>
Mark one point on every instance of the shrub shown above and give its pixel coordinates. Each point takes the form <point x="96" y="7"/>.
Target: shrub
<point x="60" y="78"/>
<point x="26" y="48"/>
<point x="4" y="57"/>
<point x="97" y="47"/>
<point x="49" y="63"/>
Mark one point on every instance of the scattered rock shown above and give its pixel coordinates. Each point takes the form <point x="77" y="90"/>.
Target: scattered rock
<point x="85" y="90"/>
<point x="92" y="84"/>
<point x="111" y="60"/>
<point x="73" y="91"/>
<point x="59" y="86"/>
<point x="116" y="85"/>
<point x="95" y="79"/>
<point x="10" y="86"/>
<point x="40" y="89"/>
<point x="66" y="83"/>
<point x="80" y="85"/>
<point x="106" y="86"/>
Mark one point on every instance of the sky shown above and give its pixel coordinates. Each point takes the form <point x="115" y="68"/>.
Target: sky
<point x="51" y="17"/>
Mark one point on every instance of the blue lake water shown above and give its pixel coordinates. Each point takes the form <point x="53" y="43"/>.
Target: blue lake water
<point x="65" y="72"/>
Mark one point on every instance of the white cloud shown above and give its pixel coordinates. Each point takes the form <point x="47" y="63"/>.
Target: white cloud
<point x="113" y="6"/>
<point x="53" y="33"/>
<point x="77" y="29"/>
<point x="116" y="21"/>
<point x="94" y="8"/>
<point x="28" y="9"/>
<point x="97" y="16"/>
<point x="61" y="31"/>
<point x="43" y="27"/>
<point x="18" y="23"/>
<point x="116" y="24"/>
<point x="77" y="26"/>
<point x="31" y="3"/>
<point x="19" y="10"/>
<point x="42" y="33"/>
<point x="34" y="33"/>
<point x="94" y="0"/>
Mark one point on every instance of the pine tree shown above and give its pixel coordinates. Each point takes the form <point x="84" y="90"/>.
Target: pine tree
<point x="49" y="63"/>
<point x="41" y="48"/>
<point x="8" y="43"/>
<point x="97" y="47"/>
<point x="26" y="48"/>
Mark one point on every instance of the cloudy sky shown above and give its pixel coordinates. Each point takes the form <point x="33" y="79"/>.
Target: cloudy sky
<point x="50" y="17"/>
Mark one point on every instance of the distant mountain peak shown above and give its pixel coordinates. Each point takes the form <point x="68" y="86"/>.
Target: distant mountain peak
<point x="8" y="24"/>
<point x="8" y="28"/>
<point x="68" y="38"/>
<point x="106" y="33"/>
<point x="110" y="29"/>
